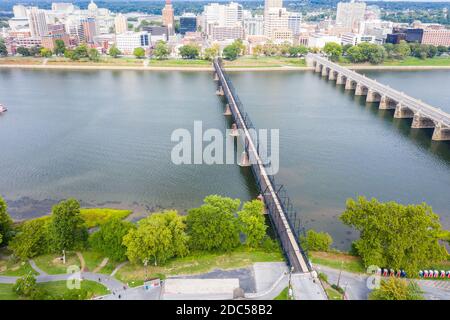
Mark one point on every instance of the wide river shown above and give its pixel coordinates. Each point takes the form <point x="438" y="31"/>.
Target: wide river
<point x="104" y="137"/>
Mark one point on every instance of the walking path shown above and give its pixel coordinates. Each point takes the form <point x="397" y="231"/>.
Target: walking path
<point x="82" y="262"/>
<point x="118" y="268"/>
<point x="36" y="268"/>
<point x="101" y="265"/>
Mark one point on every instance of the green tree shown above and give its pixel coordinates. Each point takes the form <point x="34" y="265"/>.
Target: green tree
<point x="252" y="222"/>
<point x="25" y="286"/>
<point x="139" y="53"/>
<point x="397" y="289"/>
<point x="93" y="55"/>
<point x="32" y="239"/>
<point x="395" y="235"/>
<point x="46" y="53"/>
<point x="67" y="228"/>
<point x="231" y="52"/>
<point x="114" y="51"/>
<point x="345" y="48"/>
<point x="161" y="50"/>
<point x="189" y="51"/>
<point x="6" y="223"/>
<point x="333" y="50"/>
<point x="295" y="51"/>
<point x="60" y="47"/>
<point x="82" y="51"/>
<point x="157" y="238"/>
<point x="355" y="54"/>
<point x="402" y="50"/>
<point x="108" y="240"/>
<point x="23" y="51"/>
<point x="211" y="52"/>
<point x="214" y="225"/>
<point x="3" y="49"/>
<point x="317" y="241"/>
<point x="35" y="51"/>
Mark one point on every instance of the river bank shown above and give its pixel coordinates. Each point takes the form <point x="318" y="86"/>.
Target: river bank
<point x="93" y="66"/>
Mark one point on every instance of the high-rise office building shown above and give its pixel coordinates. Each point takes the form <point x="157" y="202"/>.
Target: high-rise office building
<point x="188" y="23"/>
<point x="120" y="24"/>
<point x="350" y="14"/>
<point x="268" y="4"/>
<point x="294" y="22"/>
<point x="89" y="29"/>
<point x="37" y="22"/>
<point x="276" y="24"/>
<point x="217" y="15"/>
<point x="168" y="19"/>
<point x="19" y="11"/>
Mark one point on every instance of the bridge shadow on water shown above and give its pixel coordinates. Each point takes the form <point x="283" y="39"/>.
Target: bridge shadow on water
<point x="419" y="137"/>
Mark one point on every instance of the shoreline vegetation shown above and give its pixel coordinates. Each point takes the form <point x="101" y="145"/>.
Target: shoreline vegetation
<point x="245" y="63"/>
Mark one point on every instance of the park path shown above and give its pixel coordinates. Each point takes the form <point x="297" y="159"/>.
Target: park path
<point x="101" y="265"/>
<point x="82" y="261"/>
<point x="118" y="268"/>
<point x="36" y="268"/>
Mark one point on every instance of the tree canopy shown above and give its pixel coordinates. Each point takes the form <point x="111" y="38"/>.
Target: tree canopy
<point x="333" y="50"/>
<point x="109" y="239"/>
<point x="394" y="235"/>
<point x="32" y="239"/>
<point x="396" y="289"/>
<point x="161" y="50"/>
<point x="67" y="230"/>
<point x="157" y="238"/>
<point x="189" y="51"/>
<point x="252" y="222"/>
<point x="317" y="241"/>
<point x="214" y="225"/>
<point x="114" y="51"/>
<point x="139" y="53"/>
<point x="5" y="223"/>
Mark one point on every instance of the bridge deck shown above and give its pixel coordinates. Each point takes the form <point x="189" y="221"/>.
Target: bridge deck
<point x="417" y="106"/>
<point x="290" y="243"/>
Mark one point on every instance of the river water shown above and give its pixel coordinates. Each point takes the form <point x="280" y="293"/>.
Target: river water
<point x="104" y="137"/>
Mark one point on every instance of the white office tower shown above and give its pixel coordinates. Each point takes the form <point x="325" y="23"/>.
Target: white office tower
<point x="276" y="25"/>
<point x="121" y="24"/>
<point x="268" y="4"/>
<point x="37" y="22"/>
<point x="294" y="22"/>
<point x="253" y="25"/>
<point x="20" y="11"/>
<point x="222" y="22"/>
<point x="350" y="14"/>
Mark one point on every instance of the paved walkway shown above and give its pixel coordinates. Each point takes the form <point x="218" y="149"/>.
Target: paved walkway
<point x="36" y="268"/>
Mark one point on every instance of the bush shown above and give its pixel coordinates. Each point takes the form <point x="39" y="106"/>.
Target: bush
<point x="338" y="288"/>
<point x="322" y="276"/>
<point x="396" y="289"/>
<point x="317" y="241"/>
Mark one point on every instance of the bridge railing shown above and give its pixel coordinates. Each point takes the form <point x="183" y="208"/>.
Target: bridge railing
<point x="283" y="199"/>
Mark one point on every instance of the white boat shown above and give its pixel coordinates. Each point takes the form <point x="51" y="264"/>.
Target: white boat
<point x="3" y="108"/>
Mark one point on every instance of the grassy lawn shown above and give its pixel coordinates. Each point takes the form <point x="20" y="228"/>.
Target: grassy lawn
<point x="284" y="295"/>
<point x="268" y="62"/>
<point x="6" y="292"/>
<point x="333" y="294"/>
<point x="198" y="263"/>
<point x="57" y="288"/>
<point x="92" y="259"/>
<point x="179" y="63"/>
<point x="338" y="260"/>
<point x="60" y="287"/>
<point x="51" y="263"/>
<point x="15" y="269"/>
<point x="94" y="217"/>
<point x="412" y="61"/>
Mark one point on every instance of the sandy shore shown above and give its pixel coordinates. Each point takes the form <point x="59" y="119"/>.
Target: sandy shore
<point x="206" y="69"/>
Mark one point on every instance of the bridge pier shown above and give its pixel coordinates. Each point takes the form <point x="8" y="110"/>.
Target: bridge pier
<point x="360" y="90"/>
<point x="325" y="71"/>
<point x="219" y="91"/>
<point x="402" y="112"/>
<point x="372" y="96"/>
<point x="216" y="76"/>
<point x="234" y="130"/>
<point x="349" y="84"/>
<point x="332" y="75"/>
<point x="318" y="67"/>
<point x="227" y="110"/>
<point x="441" y="133"/>
<point x="245" y="162"/>
<point x="341" y="79"/>
<point x="386" y="103"/>
<point x="420" y="122"/>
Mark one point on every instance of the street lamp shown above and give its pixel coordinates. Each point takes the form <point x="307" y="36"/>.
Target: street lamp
<point x="290" y="293"/>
